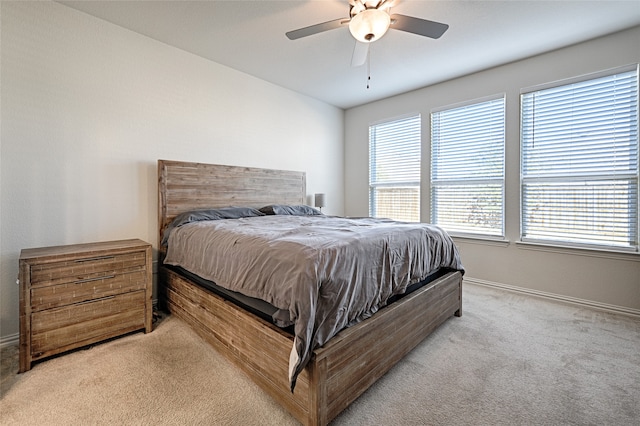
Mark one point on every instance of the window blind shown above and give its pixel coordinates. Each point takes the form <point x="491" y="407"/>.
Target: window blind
<point x="394" y="169"/>
<point x="467" y="168"/>
<point x="579" y="167"/>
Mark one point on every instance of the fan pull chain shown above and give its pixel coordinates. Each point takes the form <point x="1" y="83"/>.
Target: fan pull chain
<point x="369" y="68"/>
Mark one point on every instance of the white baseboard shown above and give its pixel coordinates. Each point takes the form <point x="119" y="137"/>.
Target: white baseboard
<point x="9" y="340"/>
<point x="567" y="299"/>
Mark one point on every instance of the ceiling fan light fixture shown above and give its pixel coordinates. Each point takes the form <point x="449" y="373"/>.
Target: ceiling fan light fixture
<point x="369" y="25"/>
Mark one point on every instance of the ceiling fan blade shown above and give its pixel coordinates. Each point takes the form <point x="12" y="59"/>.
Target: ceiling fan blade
<point x="360" y="53"/>
<point x="318" y="28"/>
<point x="418" y="26"/>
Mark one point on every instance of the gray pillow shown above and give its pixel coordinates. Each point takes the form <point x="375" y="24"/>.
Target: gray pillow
<point x="282" y="209"/>
<point x="209" y="214"/>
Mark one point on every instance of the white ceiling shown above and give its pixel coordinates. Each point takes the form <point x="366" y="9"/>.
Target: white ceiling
<point x="249" y="36"/>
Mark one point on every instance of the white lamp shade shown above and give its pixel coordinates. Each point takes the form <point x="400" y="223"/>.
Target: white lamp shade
<point x="369" y="25"/>
<point x="320" y="200"/>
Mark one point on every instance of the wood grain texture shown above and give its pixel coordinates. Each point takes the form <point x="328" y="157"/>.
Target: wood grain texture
<point x="342" y="369"/>
<point x="80" y="324"/>
<point x="186" y="186"/>
<point x="75" y="295"/>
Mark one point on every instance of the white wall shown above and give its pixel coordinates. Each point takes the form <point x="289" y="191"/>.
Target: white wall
<point x="87" y="109"/>
<point x="607" y="279"/>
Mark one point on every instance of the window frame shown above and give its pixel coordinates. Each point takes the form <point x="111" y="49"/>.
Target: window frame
<point x="501" y="234"/>
<point x="416" y="183"/>
<point x="592" y="176"/>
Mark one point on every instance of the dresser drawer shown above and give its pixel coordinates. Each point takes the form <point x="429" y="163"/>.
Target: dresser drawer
<point x="90" y="268"/>
<point x="85" y="323"/>
<point x="52" y="296"/>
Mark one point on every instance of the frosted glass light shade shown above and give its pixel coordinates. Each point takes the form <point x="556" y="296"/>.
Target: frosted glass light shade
<point x="369" y="25"/>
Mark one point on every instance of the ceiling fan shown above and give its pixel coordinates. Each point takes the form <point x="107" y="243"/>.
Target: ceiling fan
<point x="368" y="21"/>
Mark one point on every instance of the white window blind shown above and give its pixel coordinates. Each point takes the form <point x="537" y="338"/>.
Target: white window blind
<point x="580" y="162"/>
<point x="467" y="168"/>
<point x="394" y="169"/>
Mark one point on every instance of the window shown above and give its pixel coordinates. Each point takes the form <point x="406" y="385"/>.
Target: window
<point x="579" y="168"/>
<point x="394" y="169"/>
<point x="467" y="168"/>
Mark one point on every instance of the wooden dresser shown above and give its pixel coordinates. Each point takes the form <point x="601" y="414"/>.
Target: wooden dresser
<point x="76" y="295"/>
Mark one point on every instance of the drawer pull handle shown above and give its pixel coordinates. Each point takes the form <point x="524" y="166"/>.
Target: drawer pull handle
<point x="95" y="300"/>
<point x="91" y="259"/>
<point x="87" y="280"/>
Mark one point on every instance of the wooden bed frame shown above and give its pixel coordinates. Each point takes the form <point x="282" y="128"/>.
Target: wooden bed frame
<point x="342" y="369"/>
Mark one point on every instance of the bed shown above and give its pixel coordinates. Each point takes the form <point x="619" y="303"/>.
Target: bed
<point x="344" y="366"/>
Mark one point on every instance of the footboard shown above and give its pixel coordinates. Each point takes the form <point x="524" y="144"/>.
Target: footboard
<point x="358" y="356"/>
<point x="338" y="372"/>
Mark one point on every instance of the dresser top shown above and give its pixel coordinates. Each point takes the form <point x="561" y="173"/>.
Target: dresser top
<point x="83" y="249"/>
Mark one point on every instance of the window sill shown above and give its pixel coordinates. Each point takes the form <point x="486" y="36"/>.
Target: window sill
<point x="609" y="253"/>
<point x="478" y="239"/>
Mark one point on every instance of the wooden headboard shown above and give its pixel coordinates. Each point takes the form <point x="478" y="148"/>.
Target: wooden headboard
<point x="184" y="186"/>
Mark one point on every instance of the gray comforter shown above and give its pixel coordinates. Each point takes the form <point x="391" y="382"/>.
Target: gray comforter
<point x="323" y="273"/>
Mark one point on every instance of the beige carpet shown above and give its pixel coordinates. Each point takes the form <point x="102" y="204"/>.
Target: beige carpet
<point x="509" y="360"/>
